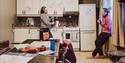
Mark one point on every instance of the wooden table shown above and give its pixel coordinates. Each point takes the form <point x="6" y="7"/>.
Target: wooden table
<point x="41" y="58"/>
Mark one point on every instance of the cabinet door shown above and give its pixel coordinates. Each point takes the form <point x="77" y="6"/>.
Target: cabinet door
<point x="34" y="33"/>
<point x="20" y="6"/>
<point x="35" y="6"/>
<point x="88" y="40"/>
<point x="21" y="35"/>
<point x="87" y="16"/>
<point x="50" y="4"/>
<point x="28" y="6"/>
<point x="73" y="6"/>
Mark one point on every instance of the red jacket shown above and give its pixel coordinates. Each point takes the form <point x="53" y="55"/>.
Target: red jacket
<point x="106" y="24"/>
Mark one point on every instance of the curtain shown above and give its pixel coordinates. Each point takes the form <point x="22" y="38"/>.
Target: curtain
<point x="117" y="25"/>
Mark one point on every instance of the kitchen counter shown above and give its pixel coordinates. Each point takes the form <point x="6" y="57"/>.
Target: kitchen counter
<point x="53" y="28"/>
<point x="39" y="27"/>
<point x="36" y="28"/>
<point x="26" y="28"/>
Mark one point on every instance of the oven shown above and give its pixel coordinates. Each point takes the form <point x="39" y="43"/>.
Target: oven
<point x="71" y="33"/>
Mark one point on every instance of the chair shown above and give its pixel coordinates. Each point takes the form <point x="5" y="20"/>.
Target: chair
<point x="4" y="46"/>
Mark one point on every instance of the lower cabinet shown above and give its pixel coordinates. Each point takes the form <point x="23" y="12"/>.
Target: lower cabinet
<point x="21" y="35"/>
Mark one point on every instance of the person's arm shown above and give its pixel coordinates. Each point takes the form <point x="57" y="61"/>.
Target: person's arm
<point x="106" y="22"/>
<point x="45" y="20"/>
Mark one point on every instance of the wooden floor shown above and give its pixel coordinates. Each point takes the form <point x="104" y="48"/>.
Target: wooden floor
<point x="82" y="58"/>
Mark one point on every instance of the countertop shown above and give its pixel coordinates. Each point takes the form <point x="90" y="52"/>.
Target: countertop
<point x="26" y="28"/>
<point x="39" y="27"/>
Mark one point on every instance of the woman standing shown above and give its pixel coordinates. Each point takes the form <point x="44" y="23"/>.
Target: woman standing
<point x="104" y="35"/>
<point x="45" y="21"/>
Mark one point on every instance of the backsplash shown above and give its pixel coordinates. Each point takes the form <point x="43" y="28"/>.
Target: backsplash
<point x="23" y="22"/>
<point x="65" y="21"/>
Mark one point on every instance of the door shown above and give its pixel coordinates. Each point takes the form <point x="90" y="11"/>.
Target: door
<point x="34" y="33"/>
<point x="20" y="6"/>
<point x="36" y="7"/>
<point x="87" y="16"/>
<point x="88" y="40"/>
<point x="73" y="6"/>
<point x="28" y="6"/>
<point x="21" y="35"/>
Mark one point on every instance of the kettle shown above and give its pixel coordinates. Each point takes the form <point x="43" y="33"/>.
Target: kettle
<point x="30" y="20"/>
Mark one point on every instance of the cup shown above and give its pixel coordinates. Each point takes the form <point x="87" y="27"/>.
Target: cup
<point x="57" y="23"/>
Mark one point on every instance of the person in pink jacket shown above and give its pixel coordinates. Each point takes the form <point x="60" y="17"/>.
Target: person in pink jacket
<point x="104" y="35"/>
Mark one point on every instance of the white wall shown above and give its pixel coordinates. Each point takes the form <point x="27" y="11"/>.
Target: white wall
<point x="7" y="17"/>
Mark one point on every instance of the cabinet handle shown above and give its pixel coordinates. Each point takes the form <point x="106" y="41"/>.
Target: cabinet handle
<point x="38" y="12"/>
<point x="23" y="11"/>
<point x="29" y="31"/>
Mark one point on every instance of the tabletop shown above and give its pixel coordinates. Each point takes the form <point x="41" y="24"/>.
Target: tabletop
<point x="42" y="58"/>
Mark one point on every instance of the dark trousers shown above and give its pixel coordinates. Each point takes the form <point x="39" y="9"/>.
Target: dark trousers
<point x="99" y="42"/>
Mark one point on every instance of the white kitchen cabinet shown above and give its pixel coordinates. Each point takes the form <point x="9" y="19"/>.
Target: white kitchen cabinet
<point x="34" y="33"/>
<point x="20" y="6"/>
<point x="32" y="6"/>
<point x="28" y="6"/>
<point x="21" y="35"/>
<point x="71" y="5"/>
<point x="57" y="6"/>
<point x="36" y="7"/>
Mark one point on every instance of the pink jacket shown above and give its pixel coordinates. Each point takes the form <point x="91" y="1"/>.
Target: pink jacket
<point x="106" y="24"/>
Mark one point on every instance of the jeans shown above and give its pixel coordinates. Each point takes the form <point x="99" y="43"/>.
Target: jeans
<point x="99" y="42"/>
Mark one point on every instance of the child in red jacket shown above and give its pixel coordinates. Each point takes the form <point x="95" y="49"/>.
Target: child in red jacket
<point x="104" y="35"/>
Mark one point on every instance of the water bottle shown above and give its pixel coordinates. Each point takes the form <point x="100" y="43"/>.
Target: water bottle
<point x="52" y="44"/>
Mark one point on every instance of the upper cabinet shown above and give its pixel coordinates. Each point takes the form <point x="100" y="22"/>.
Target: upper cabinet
<point x="53" y="6"/>
<point x="35" y="6"/>
<point x="71" y="5"/>
<point x="28" y="6"/>
<point x="20" y="6"/>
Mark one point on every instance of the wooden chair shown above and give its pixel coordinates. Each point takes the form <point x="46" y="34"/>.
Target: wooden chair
<point x="4" y="46"/>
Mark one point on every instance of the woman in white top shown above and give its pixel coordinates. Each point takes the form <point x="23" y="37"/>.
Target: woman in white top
<point x="45" y="21"/>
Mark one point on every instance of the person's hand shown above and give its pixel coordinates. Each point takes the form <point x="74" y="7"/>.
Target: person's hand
<point x="99" y="21"/>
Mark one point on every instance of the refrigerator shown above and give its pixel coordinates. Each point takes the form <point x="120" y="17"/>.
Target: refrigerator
<point x="87" y="24"/>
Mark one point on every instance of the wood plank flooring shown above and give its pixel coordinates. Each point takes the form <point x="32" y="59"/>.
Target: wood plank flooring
<point x="82" y="58"/>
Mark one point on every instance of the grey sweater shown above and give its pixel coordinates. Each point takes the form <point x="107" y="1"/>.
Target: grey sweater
<point x="45" y="21"/>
